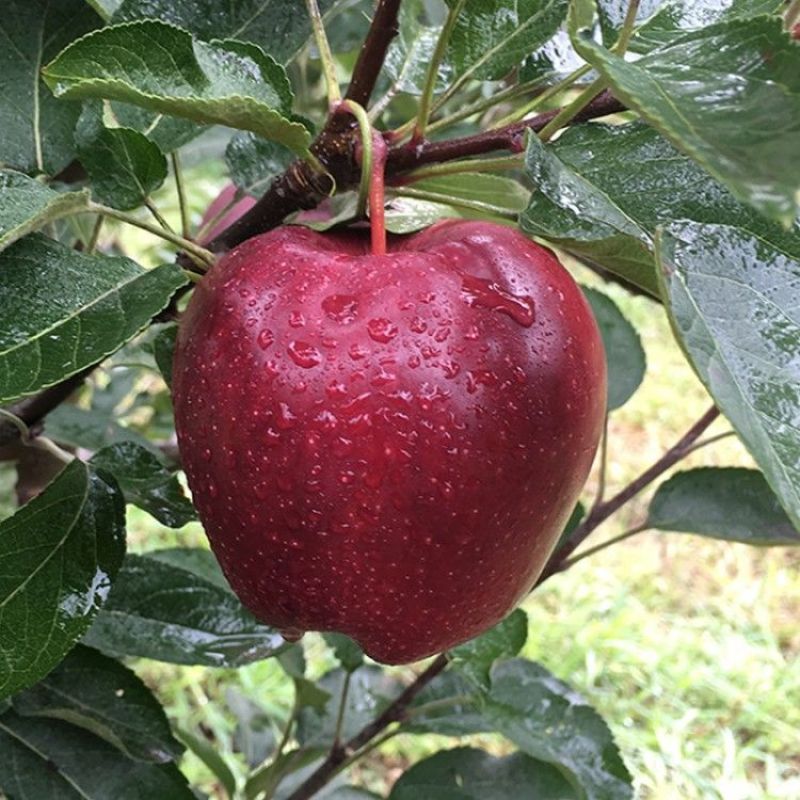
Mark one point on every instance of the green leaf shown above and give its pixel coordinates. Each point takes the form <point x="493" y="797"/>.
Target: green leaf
<point x="77" y="427"/>
<point x="97" y="693"/>
<point x="225" y="83"/>
<point x="548" y="720"/>
<point x="124" y="166"/>
<point x="734" y="303"/>
<point x="210" y="756"/>
<point x="166" y="132"/>
<point x="729" y="96"/>
<point x="309" y="695"/>
<point x="470" y="774"/>
<point x="253" y="162"/>
<point x="279" y="26"/>
<point x="659" y="22"/>
<point x="164" y="350"/>
<point x="348" y="652"/>
<point x="729" y="503"/>
<point x="59" y="553"/>
<point x="45" y="758"/>
<point x="504" y="640"/>
<point x="197" y="560"/>
<point x="63" y="310"/>
<point x="37" y="129"/>
<point x="491" y="37"/>
<point x="411" y="52"/>
<point x="351" y="793"/>
<point x="146" y="483"/>
<point x="450" y="706"/>
<point x="254" y="736"/>
<point x="493" y="194"/>
<point x="369" y="693"/>
<point x="602" y="190"/>
<point x="169" y="614"/>
<point x="575" y="519"/>
<point x="624" y="352"/>
<point x="27" y="205"/>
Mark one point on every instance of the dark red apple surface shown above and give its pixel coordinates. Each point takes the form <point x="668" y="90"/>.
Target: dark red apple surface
<point x="387" y="446"/>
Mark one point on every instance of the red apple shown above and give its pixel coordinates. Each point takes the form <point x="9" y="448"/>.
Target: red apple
<point x="387" y="446"/>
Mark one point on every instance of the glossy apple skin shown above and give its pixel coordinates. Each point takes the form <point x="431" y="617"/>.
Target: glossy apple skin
<point x="390" y="446"/>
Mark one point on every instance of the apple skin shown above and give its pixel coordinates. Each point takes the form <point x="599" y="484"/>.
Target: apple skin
<point x="387" y="446"/>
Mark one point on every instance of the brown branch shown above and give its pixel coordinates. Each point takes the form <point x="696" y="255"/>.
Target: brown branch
<point x="509" y="137"/>
<point x="371" y="57"/>
<point x="395" y="712"/>
<point x="32" y="410"/>
<point x="301" y="187"/>
<point x="602" y="511"/>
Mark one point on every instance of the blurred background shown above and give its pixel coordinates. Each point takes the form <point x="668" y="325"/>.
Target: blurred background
<point x="687" y="647"/>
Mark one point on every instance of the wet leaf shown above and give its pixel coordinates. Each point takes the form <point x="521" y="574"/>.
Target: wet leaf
<point x="227" y="83"/>
<point x="660" y="21"/>
<point x="625" y="355"/>
<point x="549" y="721"/>
<point x="492" y="37"/>
<point x="124" y="166"/>
<point x="146" y="483"/>
<point x="727" y="95"/>
<point x="59" y="553"/>
<point x="27" y="205"/>
<point x="727" y="503"/>
<point x="253" y="162"/>
<point x="348" y="652"/>
<point x="602" y="190"/>
<point x="46" y="758"/>
<point x="169" y="614"/>
<point x="467" y="773"/>
<point x="36" y="128"/>
<point x="280" y="27"/>
<point x="476" y="657"/>
<point x="63" y="310"/>
<point x="100" y="695"/>
<point x="734" y="303"/>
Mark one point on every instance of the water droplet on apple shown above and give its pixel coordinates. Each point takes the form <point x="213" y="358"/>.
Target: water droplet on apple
<point x="358" y="351"/>
<point x="483" y="293"/>
<point x="418" y="325"/>
<point x="296" y="319"/>
<point x="382" y="330"/>
<point x="341" y="307"/>
<point x="285" y="419"/>
<point x="265" y="338"/>
<point x="304" y="354"/>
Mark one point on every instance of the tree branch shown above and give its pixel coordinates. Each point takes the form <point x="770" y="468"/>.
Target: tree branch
<point x="371" y="57"/>
<point x="32" y="410"/>
<point x="393" y="713"/>
<point x="300" y="187"/>
<point x="602" y="511"/>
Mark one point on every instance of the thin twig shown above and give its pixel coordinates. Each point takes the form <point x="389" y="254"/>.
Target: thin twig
<point x="371" y="57"/>
<point x="186" y="229"/>
<point x="393" y="713"/>
<point x="325" y="55"/>
<point x="603" y="511"/>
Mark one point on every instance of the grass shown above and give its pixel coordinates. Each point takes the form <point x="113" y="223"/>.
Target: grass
<point x="688" y="647"/>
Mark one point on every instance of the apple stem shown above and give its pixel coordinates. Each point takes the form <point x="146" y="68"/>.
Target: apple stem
<point x="377" y="216"/>
<point x="372" y="186"/>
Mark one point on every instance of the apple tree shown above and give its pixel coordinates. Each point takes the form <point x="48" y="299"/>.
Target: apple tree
<point x="657" y="143"/>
